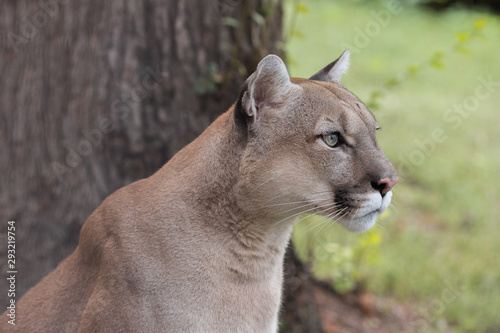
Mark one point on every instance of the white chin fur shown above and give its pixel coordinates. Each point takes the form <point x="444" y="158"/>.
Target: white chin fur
<point x="367" y="215"/>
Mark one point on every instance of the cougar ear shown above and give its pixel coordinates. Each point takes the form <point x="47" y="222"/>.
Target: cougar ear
<point x="333" y="71"/>
<point x="269" y="85"/>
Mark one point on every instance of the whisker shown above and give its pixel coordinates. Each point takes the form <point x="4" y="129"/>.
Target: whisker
<point x="320" y="192"/>
<point x="376" y="228"/>
<point x="274" y="175"/>
<point x="316" y="223"/>
<point x="382" y="222"/>
<point x="346" y="214"/>
<point x="327" y="223"/>
<point x="288" y="203"/>
<point x="392" y="206"/>
<point x="332" y="219"/>
<point x="313" y="193"/>
<point x="378" y="225"/>
<point x="305" y="211"/>
<point x="295" y="202"/>
<point x="319" y="222"/>
<point x="350" y="221"/>
<point x="295" y="208"/>
<point x="327" y="196"/>
<point x="353" y="212"/>
<point x="273" y="198"/>
<point x="306" y="216"/>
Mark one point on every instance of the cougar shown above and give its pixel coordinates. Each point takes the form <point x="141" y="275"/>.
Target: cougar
<point x="199" y="245"/>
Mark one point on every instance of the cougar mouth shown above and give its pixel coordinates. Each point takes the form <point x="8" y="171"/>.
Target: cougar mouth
<point x="369" y="209"/>
<point x="355" y="212"/>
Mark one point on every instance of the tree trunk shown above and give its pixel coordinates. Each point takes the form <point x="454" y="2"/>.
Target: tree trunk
<point x="300" y="311"/>
<point x="97" y="94"/>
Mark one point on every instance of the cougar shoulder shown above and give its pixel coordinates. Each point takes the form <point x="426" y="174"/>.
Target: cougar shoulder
<point x="199" y="245"/>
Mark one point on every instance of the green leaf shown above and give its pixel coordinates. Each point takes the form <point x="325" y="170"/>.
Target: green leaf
<point x="373" y="105"/>
<point x="376" y="94"/>
<point x="438" y="55"/>
<point x="436" y="63"/>
<point x="266" y="10"/>
<point x="230" y="21"/>
<point x="374" y="239"/>
<point x="391" y="82"/>
<point x="297" y="34"/>
<point x="259" y="19"/>
<point x="462" y="37"/>
<point x="413" y="69"/>
<point x="480" y="23"/>
<point x="301" y="8"/>
<point x="203" y="86"/>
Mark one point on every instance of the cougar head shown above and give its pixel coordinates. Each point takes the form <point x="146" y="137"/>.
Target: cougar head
<point x="310" y="148"/>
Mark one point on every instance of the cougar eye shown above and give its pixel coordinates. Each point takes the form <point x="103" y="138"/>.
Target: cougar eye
<point x="332" y="139"/>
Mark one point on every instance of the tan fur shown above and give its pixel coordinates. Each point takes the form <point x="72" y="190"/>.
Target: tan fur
<point x="199" y="245"/>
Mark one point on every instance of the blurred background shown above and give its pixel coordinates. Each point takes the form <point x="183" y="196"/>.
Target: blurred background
<point x="96" y="95"/>
<point x="423" y="69"/>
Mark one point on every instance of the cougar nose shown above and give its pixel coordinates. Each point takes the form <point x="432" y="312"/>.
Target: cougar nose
<point x="385" y="185"/>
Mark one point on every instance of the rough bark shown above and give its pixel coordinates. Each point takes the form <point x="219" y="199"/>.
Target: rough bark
<point x="300" y="311"/>
<point x="97" y="94"/>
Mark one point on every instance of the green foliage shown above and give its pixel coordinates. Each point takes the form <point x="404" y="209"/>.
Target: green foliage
<point x="447" y="225"/>
<point x="258" y="18"/>
<point x="436" y="61"/>
<point x="208" y="83"/>
<point x="293" y="9"/>
<point x="230" y="21"/>
<point x="332" y="260"/>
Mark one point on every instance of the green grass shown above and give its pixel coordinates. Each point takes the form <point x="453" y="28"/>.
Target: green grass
<point x="444" y="228"/>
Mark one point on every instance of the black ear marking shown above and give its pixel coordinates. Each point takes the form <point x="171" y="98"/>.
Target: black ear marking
<point x="333" y="71"/>
<point x="319" y="76"/>
<point x="239" y="115"/>
<point x="269" y="86"/>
